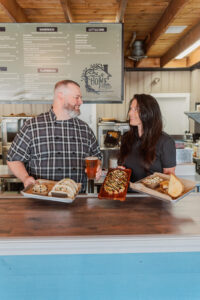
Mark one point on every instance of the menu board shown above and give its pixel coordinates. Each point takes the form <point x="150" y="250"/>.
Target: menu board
<point x="34" y="56"/>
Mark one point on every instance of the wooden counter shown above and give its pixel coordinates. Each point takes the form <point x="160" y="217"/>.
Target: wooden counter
<point x="142" y="248"/>
<point x="89" y="217"/>
<point x="23" y="217"/>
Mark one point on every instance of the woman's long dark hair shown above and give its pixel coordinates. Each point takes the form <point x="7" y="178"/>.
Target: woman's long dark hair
<point x="150" y="115"/>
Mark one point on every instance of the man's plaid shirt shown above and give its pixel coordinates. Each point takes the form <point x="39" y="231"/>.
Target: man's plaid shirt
<point x="54" y="150"/>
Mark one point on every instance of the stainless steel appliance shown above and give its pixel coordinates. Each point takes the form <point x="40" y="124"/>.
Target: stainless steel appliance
<point x="108" y="152"/>
<point x="10" y="125"/>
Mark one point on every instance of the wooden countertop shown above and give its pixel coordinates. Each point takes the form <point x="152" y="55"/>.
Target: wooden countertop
<point x="138" y="215"/>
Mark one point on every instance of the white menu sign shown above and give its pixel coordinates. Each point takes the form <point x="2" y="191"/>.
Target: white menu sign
<point x="34" y="56"/>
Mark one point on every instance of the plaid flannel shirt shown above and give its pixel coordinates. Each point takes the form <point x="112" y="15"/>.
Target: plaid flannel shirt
<point x="53" y="149"/>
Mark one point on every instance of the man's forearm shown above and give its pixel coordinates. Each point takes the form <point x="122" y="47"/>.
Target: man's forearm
<point x="18" y="169"/>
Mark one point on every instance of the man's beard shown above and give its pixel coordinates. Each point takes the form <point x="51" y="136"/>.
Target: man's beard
<point x="72" y="112"/>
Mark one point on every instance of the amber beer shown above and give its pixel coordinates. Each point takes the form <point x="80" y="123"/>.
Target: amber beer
<point x="91" y="166"/>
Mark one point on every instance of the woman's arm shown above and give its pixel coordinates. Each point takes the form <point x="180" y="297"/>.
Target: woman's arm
<point x="169" y="170"/>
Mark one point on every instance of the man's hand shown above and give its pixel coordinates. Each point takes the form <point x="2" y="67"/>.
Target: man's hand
<point x="28" y="181"/>
<point x="99" y="171"/>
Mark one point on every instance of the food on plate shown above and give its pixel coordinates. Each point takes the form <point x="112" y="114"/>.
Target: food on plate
<point x="176" y="187"/>
<point x="116" y="181"/>
<point x="65" y="188"/>
<point x="40" y="189"/>
<point x="152" y="181"/>
<point x="172" y="186"/>
<point x="69" y="182"/>
<point x="164" y="184"/>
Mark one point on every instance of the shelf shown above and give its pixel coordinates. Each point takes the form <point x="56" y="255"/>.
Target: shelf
<point x="194" y="116"/>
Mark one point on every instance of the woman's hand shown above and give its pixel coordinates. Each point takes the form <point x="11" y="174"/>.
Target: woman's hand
<point x="121" y="167"/>
<point x="169" y="170"/>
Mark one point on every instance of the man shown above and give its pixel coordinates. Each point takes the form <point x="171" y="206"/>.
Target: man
<point x="54" y="144"/>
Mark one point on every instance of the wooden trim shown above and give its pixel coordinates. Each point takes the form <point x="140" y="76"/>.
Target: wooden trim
<point x="194" y="57"/>
<point x="121" y="11"/>
<point x="191" y="36"/>
<point x="177" y="63"/>
<point x="13" y="11"/>
<point x="148" y="62"/>
<point x="168" y="17"/>
<point x="67" y="11"/>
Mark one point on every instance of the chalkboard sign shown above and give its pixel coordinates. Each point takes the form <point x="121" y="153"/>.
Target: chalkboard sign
<point x="34" y="56"/>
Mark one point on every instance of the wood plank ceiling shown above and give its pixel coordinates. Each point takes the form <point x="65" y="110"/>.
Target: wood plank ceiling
<point x="146" y="21"/>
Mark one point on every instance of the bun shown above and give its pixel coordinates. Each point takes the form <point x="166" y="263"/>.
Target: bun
<point x="65" y="188"/>
<point x="175" y="188"/>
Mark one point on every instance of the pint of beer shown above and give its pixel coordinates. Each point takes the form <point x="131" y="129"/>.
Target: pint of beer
<point x="91" y="166"/>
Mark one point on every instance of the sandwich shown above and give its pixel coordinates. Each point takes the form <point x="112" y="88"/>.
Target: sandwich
<point x="66" y="188"/>
<point x="175" y="188"/>
<point x="172" y="186"/>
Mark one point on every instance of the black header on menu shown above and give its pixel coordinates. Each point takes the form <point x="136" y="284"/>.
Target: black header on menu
<point x="47" y="29"/>
<point x="2" y="28"/>
<point x="96" y="29"/>
<point x="3" y="69"/>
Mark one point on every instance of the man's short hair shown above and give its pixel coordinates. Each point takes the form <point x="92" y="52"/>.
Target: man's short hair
<point x="65" y="82"/>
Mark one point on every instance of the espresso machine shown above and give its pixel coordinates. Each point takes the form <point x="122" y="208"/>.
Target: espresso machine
<point x="109" y="139"/>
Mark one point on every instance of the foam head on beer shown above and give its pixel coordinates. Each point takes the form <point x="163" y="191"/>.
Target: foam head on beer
<point x="91" y="166"/>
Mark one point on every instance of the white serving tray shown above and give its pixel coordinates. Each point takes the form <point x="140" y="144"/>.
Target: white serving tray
<point x="48" y="198"/>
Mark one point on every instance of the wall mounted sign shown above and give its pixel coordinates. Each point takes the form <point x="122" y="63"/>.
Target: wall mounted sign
<point x="34" y="56"/>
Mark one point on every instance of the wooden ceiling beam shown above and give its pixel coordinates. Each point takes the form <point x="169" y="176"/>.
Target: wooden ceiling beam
<point x="167" y="18"/>
<point x="121" y="11"/>
<point x="13" y="11"/>
<point x="194" y="57"/>
<point x="67" y="11"/>
<point x="186" y="41"/>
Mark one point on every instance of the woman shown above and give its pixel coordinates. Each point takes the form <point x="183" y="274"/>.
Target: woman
<point x="145" y="148"/>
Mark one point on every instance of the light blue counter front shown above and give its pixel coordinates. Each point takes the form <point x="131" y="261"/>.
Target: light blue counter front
<point x="157" y="275"/>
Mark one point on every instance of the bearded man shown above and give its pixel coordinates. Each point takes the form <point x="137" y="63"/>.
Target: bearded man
<point x="54" y="144"/>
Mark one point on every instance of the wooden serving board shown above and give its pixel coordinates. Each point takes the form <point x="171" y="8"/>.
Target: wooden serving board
<point x="120" y="196"/>
<point x="140" y="187"/>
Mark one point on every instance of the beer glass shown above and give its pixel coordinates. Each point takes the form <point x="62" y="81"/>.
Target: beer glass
<point x="91" y="169"/>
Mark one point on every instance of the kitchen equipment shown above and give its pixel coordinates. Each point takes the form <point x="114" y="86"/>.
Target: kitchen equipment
<point x="112" y="163"/>
<point x="10" y="125"/>
<point x="184" y="155"/>
<point x="103" y="128"/>
<point x="112" y="138"/>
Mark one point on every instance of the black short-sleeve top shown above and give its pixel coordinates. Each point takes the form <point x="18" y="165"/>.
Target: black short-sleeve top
<point x="165" y="158"/>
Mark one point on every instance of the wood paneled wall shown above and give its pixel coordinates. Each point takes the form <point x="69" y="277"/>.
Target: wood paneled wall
<point x="144" y="82"/>
<point x="135" y="82"/>
<point x="29" y="109"/>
